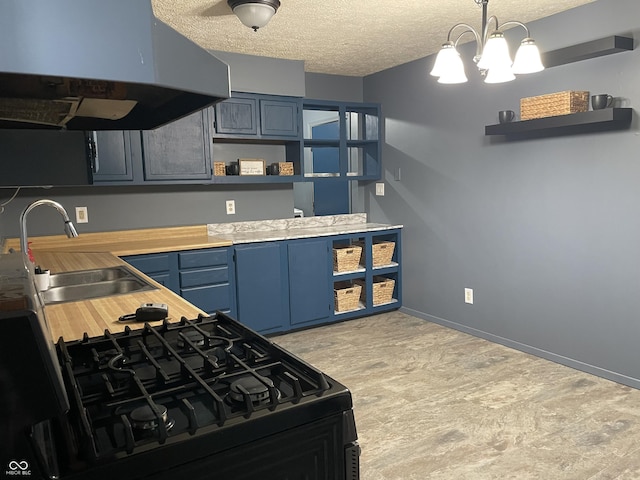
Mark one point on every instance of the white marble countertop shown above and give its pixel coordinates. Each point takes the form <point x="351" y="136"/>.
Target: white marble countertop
<point x="295" y="228"/>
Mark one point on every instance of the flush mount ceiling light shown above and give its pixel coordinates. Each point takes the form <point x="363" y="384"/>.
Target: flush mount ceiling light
<point x="254" y="13"/>
<point x="492" y="53"/>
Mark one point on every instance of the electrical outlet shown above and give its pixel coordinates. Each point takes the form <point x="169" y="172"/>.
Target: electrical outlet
<point x="468" y="295"/>
<point x="82" y="215"/>
<point x="380" y="189"/>
<point x="231" y="207"/>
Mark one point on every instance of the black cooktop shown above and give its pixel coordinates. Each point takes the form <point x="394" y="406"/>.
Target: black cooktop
<point x="183" y="383"/>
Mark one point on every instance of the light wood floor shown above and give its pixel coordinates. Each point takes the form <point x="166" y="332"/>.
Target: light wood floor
<point x="435" y="403"/>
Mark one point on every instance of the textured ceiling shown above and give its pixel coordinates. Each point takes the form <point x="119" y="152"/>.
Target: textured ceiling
<point x="344" y="37"/>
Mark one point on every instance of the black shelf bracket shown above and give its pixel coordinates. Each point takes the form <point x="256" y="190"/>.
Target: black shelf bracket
<point x="606" y="119"/>
<point x="587" y="50"/>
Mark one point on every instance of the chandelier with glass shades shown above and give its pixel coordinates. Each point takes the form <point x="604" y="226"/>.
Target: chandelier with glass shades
<point x="492" y="53"/>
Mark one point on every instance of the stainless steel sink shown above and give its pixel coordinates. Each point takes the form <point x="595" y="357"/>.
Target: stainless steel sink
<point x="87" y="284"/>
<point x="89" y="276"/>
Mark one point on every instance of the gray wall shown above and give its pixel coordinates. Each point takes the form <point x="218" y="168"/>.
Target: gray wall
<point x="274" y="76"/>
<point x="334" y="87"/>
<point x="122" y="208"/>
<point x="545" y="231"/>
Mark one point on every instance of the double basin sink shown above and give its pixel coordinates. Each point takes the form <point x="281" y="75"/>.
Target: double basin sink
<point x="87" y="284"/>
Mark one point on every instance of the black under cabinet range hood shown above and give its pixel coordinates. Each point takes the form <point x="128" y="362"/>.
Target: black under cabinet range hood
<point x="100" y="65"/>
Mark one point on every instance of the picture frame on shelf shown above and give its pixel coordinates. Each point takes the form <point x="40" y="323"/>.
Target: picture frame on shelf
<point x="252" y="166"/>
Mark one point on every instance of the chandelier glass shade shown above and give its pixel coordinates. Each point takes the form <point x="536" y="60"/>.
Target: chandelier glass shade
<point x="492" y="57"/>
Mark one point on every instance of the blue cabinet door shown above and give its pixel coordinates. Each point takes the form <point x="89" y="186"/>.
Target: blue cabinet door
<point x="261" y="287"/>
<point x="112" y="156"/>
<point x="309" y="282"/>
<point x="279" y="117"/>
<point x="236" y="116"/>
<point x="162" y="267"/>
<point x="179" y="150"/>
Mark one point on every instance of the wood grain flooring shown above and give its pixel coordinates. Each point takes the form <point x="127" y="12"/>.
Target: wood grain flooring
<point x="435" y="403"/>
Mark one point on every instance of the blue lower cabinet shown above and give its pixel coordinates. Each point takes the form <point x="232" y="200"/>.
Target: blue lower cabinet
<point x="309" y="285"/>
<point x="261" y="286"/>
<point x="277" y="286"/>
<point x="159" y="266"/>
<point x="200" y="276"/>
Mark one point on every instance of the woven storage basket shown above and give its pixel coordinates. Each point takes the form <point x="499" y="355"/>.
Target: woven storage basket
<point x="382" y="290"/>
<point x="382" y="252"/>
<point x="553" y="104"/>
<point x="286" y="168"/>
<point x="346" y="259"/>
<point x="219" y="169"/>
<point x="346" y="296"/>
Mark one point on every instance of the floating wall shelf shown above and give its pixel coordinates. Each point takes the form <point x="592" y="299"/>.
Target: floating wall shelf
<point x="584" y="51"/>
<point x="575" y="123"/>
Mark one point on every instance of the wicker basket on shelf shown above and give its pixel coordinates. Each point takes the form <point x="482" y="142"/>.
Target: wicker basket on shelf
<point x="346" y="259"/>
<point x="346" y="296"/>
<point x="553" y="104"/>
<point x="219" y="169"/>
<point x="285" y="168"/>
<point x="381" y="252"/>
<point x="382" y="290"/>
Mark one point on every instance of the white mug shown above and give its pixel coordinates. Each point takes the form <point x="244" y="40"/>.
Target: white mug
<point x="42" y="280"/>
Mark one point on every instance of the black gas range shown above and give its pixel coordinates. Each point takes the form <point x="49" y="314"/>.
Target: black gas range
<point x="203" y="398"/>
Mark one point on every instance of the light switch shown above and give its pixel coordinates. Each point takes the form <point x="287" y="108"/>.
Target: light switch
<point x="380" y="189"/>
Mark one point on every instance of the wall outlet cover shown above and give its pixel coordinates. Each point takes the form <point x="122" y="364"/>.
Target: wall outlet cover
<point x="231" y="207"/>
<point x="468" y="295"/>
<point x="82" y="215"/>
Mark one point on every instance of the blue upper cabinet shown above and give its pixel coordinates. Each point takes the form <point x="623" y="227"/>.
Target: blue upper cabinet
<point x="110" y="153"/>
<point x="178" y="151"/>
<point x="347" y="133"/>
<point x="256" y="116"/>
<point x="279" y="118"/>
<point x="265" y="127"/>
<point x="237" y="116"/>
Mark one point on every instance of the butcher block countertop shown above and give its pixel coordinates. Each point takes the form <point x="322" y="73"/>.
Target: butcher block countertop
<point x="72" y="319"/>
<point x="127" y="242"/>
<point x="98" y="250"/>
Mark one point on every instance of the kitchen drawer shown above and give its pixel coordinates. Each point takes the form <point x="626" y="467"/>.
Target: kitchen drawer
<point x="202" y="258"/>
<point x="209" y="298"/>
<point x="149" y="263"/>
<point x="205" y="276"/>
